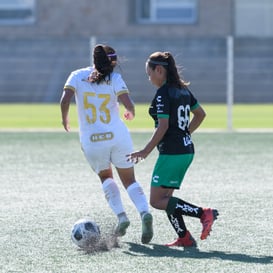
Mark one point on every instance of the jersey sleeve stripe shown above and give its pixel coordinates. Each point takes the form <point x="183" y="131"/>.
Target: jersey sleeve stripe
<point x="163" y="116"/>
<point x="70" y="87"/>
<point x="122" y="92"/>
<point x="195" y="106"/>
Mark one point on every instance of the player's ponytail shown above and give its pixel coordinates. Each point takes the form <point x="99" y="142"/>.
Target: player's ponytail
<point x="104" y="59"/>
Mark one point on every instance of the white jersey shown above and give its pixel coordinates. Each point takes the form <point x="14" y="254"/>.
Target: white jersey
<point x="103" y="135"/>
<point x="97" y="104"/>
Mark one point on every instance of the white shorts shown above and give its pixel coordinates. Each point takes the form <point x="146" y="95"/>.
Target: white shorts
<point x="101" y="154"/>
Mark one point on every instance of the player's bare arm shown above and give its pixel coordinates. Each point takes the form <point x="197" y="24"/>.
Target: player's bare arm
<point x="163" y="124"/>
<point x="65" y="103"/>
<point x="198" y="116"/>
<point x="129" y="106"/>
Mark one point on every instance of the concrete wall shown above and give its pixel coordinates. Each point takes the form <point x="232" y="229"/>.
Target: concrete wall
<point x="34" y="70"/>
<point x="36" y="59"/>
<point x="69" y="18"/>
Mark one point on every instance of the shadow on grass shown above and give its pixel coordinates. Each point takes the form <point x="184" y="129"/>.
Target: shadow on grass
<point x="154" y="250"/>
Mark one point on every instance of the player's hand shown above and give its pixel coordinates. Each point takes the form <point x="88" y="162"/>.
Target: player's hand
<point x="66" y="125"/>
<point x="136" y="157"/>
<point x="128" y="115"/>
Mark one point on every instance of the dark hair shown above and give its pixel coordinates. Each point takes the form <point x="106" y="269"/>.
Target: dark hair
<point x="167" y="61"/>
<point x="104" y="58"/>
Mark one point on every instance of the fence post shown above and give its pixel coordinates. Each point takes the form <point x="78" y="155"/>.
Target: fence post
<point x="92" y="44"/>
<point x="230" y="81"/>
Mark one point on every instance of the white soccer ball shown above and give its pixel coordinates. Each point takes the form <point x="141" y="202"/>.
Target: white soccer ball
<point x="85" y="233"/>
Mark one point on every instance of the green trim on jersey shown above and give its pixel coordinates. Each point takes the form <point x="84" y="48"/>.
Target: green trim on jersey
<point x="169" y="170"/>
<point x="195" y="106"/>
<point x="163" y="116"/>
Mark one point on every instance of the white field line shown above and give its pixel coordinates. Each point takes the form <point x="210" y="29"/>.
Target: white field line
<point x="209" y="130"/>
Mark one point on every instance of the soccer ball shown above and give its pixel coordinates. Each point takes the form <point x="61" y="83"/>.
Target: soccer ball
<point x="85" y="233"/>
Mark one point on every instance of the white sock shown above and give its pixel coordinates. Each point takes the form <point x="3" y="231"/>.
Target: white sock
<point x="138" y="197"/>
<point x="112" y="195"/>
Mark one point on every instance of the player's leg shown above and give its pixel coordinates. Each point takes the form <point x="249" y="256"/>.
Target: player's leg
<point x="206" y="215"/>
<point x="125" y="170"/>
<point x="168" y="175"/>
<point x="98" y="159"/>
<point x="126" y="173"/>
<point x="138" y="197"/>
<point x="175" y="207"/>
<point x="112" y="195"/>
<point x="161" y="198"/>
<point x="134" y="189"/>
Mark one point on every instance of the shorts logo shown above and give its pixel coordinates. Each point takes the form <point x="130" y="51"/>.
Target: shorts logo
<point x="101" y="137"/>
<point x="173" y="182"/>
<point x="155" y="179"/>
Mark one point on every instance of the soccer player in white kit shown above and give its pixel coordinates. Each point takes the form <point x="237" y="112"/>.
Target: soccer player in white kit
<point x="104" y="138"/>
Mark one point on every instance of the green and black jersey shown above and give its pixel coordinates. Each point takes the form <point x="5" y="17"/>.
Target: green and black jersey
<point x="174" y="104"/>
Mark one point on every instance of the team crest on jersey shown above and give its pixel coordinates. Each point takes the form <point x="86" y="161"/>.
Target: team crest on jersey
<point x="159" y="105"/>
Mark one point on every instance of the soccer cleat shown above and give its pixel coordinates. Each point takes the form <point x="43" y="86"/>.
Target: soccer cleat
<point x="121" y="228"/>
<point x="207" y="219"/>
<point x="186" y="241"/>
<point x="147" y="228"/>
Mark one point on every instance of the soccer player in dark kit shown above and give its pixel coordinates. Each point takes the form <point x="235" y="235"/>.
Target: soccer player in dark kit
<point x="170" y="109"/>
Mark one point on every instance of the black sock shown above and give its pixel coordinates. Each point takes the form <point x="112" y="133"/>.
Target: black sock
<point x="178" y="224"/>
<point x="176" y="204"/>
